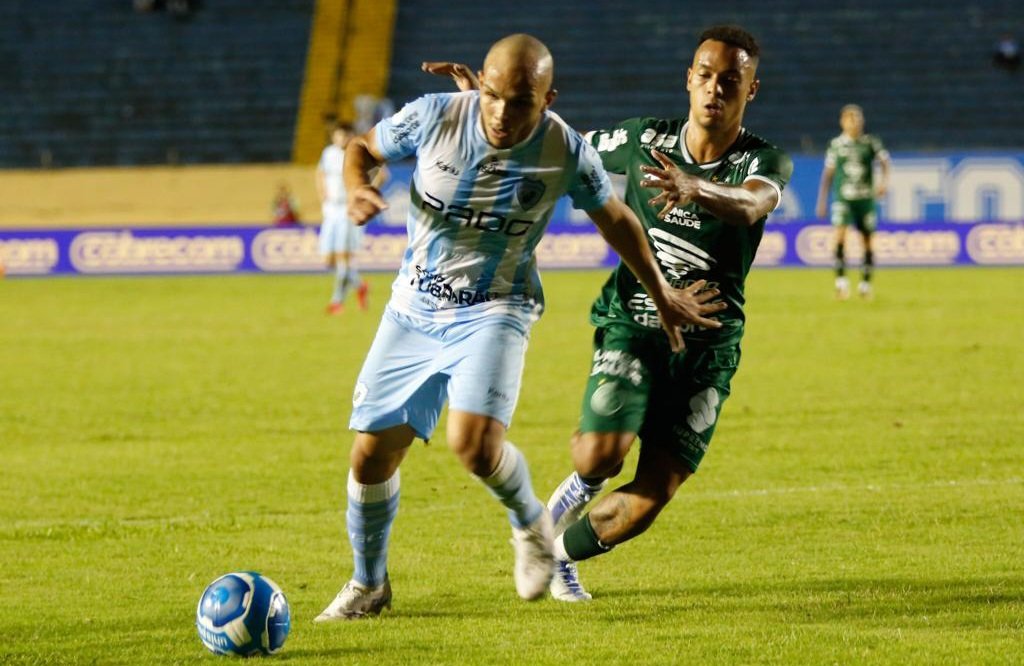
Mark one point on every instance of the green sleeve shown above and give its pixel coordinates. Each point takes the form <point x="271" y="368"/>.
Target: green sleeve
<point x="773" y="165"/>
<point x="616" y="145"/>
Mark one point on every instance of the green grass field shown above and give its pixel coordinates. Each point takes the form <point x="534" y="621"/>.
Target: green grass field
<point x="863" y="500"/>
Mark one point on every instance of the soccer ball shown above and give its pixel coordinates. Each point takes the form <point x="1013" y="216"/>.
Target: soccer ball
<point x="243" y="614"/>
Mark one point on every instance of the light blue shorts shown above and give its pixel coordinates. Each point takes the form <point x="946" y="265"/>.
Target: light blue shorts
<point x="413" y="366"/>
<point x="338" y="233"/>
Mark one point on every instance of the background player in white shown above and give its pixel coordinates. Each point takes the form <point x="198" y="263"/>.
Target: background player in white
<point x="340" y="239"/>
<point x="490" y="166"/>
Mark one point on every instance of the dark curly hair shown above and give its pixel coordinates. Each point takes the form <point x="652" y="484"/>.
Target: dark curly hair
<point x="733" y="35"/>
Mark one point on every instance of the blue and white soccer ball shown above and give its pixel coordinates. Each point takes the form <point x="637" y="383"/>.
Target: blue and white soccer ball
<point x="243" y="614"/>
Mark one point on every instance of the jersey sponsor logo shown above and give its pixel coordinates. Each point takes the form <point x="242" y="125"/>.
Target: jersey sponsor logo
<point x="617" y="363"/>
<point x="405" y="126"/>
<point x="607" y="399"/>
<point x="492" y="165"/>
<point x="447" y="168"/>
<point x="651" y="138"/>
<point x="645" y="313"/>
<point x="683" y="218"/>
<point x="438" y="285"/>
<point x="529" y="191"/>
<point x="609" y="141"/>
<point x="477" y="219"/>
<point x="703" y="410"/>
<point x="591" y="181"/>
<point x="677" y="256"/>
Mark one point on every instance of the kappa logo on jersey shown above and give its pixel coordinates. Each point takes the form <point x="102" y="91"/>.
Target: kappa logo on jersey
<point x="529" y="191"/>
<point x="447" y="168"/>
<point x="678" y="256"/>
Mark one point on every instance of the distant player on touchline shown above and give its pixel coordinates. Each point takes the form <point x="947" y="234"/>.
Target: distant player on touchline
<point x="849" y="173"/>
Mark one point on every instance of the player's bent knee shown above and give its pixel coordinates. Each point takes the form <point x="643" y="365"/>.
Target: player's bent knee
<point x="600" y="453"/>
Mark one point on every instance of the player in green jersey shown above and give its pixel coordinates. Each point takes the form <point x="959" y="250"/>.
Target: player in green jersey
<point x="849" y="173"/>
<point x="702" y="186"/>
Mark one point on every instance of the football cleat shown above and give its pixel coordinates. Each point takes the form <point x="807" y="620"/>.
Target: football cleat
<point x="864" y="289"/>
<point x="357" y="601"/>
<point x="335" y="308"/>
<point x="535" y="563"/>
<point x="363" y="295"/>
<point x="565" y="585"/>
<point x="569" y="500"/>
<point x="842" y="289"/>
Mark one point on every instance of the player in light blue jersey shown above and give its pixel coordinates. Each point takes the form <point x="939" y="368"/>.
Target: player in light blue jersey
<point x="490" y="166"/>
<point x="340" y="239"/>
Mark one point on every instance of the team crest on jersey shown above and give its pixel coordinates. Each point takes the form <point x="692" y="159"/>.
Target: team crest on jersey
<point x="529" y="191"/>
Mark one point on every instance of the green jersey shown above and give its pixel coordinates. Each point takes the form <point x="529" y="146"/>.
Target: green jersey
<point x="853" y="161"/>
<point x="690" y="243"/>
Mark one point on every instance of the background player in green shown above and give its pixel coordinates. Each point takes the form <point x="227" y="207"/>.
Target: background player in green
<point x="717" y="184"/>
<point x="849" y="173"/>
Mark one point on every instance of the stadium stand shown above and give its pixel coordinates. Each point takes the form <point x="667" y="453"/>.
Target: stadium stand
<point x="93" y="82"/>
<point x="918" y="67"/>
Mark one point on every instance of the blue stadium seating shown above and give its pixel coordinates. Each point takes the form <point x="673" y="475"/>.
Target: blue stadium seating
<point x="920" y="68"/>
<point x="92" y="82"/>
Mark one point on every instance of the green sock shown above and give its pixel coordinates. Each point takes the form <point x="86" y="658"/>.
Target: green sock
<point x="581" y="542"/>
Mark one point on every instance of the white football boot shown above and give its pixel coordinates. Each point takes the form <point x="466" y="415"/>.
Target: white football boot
<point x="864" y="289"/>
<point x="842" y="288"/>
<point x="535" y="564"/>
<point x="569" y="500"/>
<point x="357" y="601"/>
<point x="565" y="585"/>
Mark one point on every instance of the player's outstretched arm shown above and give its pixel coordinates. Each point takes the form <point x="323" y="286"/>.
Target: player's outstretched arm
<point x="361" y="158"/>
<point x="740" y="205"/>
<point x="623" y="231"/>
<point x="461" y="74"/>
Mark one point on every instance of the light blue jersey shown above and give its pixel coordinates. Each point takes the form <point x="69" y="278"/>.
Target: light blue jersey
<point x="478" y="212"/>
<point x="332" y="165"/>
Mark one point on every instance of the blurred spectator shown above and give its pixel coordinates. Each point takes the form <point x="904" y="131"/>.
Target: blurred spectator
<point x="1007" y="53"/>
<point x="370" y="110"/>
<point x="285" y="211"/>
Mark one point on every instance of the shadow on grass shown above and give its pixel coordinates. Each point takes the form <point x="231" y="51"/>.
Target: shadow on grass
<point x="875" y="600"/>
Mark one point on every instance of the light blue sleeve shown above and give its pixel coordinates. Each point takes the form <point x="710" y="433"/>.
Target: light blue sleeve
<point x="402" y="134"/>
<point x="590" y="187"/>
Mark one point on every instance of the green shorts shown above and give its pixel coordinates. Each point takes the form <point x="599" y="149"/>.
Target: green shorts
<point x="637" y="384"/>
<point x="860" y="213"/>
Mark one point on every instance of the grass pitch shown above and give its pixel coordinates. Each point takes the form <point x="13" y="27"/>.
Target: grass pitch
<point x="863" y="499"/>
